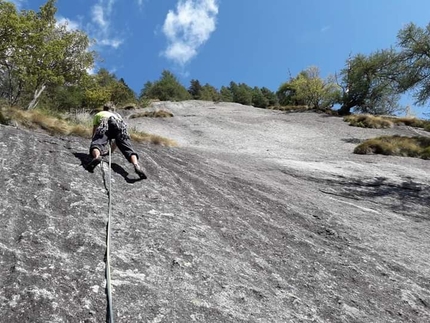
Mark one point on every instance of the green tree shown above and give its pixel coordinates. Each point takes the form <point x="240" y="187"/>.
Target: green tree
<point x="309" y="89"/>
<point x="258" y="98"/>
<point x="66" y="98"/>
<point x="195" y="89"/>
<point x="96" y="96"/>
<point x="37" y="53"/>
<point x="121" y="93"/>
<point x="414" y="58"/>
<point x="271" y="97"/>
<point x="168" y="88"/>
<point x="242" y="93"/>
<point x="209" y="93"/>
<point x="226" y="95"/>
<point x="145" y="91"/>
<point x="104" y="78"/>
<point x="286" y="95"/>
<point x="368" y="84"/>
<point x="10" y="26"/>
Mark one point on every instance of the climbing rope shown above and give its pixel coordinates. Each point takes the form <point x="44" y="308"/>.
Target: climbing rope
<point x="108" y="282"/>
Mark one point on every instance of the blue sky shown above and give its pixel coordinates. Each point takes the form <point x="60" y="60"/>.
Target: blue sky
<point x="258" y="42"/>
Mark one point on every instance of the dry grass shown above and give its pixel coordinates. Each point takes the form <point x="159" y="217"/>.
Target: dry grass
<point x="152" y="114"/>
<point x="139" y="136"/>
<point x="291" y="108"/>
<point x="37" y="119"/>
<point x="412" y="122"/>
<point x="80" y="126"/>
<point x="396" y="146"/>
<point x="369" y="121"/>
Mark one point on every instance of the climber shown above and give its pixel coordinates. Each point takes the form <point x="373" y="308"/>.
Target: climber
<point x="109" y="126"/>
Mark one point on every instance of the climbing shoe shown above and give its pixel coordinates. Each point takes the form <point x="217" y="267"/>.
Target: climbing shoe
<point x="139" y="171"/>
<point x="92" y="164"/>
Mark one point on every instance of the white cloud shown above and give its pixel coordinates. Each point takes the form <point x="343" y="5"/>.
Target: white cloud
<point x="109" y="6"/>
<point x="189" y="28"/>
<point x="101" y="15"/>
<point x="115" y="43"/>
<point x="70" y="24"/>
<point x="98" y="16"/>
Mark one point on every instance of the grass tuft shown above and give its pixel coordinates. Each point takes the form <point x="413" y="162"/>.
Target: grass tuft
<point x="396" y="146"/>
<point x="291" y="108"/>
<point x="139" y="136"/>
<point x="371" y="121"/>
<point x="368" y="121"/>
<point x="411" y="122"/>
<point x="152" y="114"/>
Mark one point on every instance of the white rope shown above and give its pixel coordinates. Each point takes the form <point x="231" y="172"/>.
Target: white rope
<point x="108" y="281"/>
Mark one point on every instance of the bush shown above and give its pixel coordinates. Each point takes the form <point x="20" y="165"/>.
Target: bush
<point x="412" y="122"/>
<point x="3" y="119"/>
<point x="396" y="146"/>
<point x="152" y="114"/>
<point x="139" y="136"/>
<point x="368" y="121"/>
<point x="291" y="108"/>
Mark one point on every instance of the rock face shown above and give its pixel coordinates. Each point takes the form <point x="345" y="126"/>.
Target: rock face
<point x="257" y="216"/>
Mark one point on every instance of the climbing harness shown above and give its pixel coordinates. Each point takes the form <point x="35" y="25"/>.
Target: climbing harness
<point x="108" y="281"/>
<point x="119" y="126"/>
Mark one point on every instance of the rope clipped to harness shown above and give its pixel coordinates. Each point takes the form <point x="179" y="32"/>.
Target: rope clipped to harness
<point x="108" y="280"/>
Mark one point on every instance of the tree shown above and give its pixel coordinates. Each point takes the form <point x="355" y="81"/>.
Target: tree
<point x="145" y="91"/>
<point x="414" y="58"/>
<point x="10" y="24"/>
<point x="270" y="96"/>
<point x="368" y="84"/>
<point x="258" y="99"/>
<point x="195" y="89"/>
<point x="209" y="93"/>
<point x="286" y="95"/>
<point x="104" y="78"/>
<point x="37" y="53"/>
<point x="309" y="89"/>
<point x="168" y="88"/>
<point x="95" y="97"/>
<point x="226" y="95"/>
<point x="242" y="93"/>
<point x="121" y="93"/>
<point x="66" y="98"/>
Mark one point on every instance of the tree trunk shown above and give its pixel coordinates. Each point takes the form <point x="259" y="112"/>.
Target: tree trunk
<point x="344" y="110"/>
<point x="35" y="100"/>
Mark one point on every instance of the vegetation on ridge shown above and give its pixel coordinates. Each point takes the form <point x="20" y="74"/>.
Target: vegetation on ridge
<point x="50" y="68"/>
<point x="69" y="125"/>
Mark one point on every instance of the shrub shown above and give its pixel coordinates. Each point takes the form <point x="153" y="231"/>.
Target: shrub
<point x="371" y="121"/>
<point x="139" y="136"/>
<point x="291" y="108"/>
<point x="152" y="114"/>
<point x="407" y="121"/>
<point x="368" y="121"/>
<point x="3" y="118"/>
<point x="396" y="146"/>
